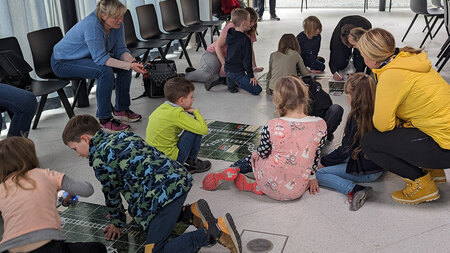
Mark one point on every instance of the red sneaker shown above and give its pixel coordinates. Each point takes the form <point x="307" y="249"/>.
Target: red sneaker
<point x="213" y="180"/>
<point x="244" y="183"/>
<point x="128" y="116"/>
<point x="113" y="125"/>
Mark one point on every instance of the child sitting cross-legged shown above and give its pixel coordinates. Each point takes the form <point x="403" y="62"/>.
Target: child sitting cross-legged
<point x="346" y="166"/>
<point x="154" y="186"/>
<point x="28" y="202"/>
<point x="173" y="117"/>
<point x="286" y="160"/>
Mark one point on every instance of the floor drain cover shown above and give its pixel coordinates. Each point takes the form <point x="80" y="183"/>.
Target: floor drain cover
<point x="259" y="245"/>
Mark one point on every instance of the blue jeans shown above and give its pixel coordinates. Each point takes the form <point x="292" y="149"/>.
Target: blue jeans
<point x="188" y="146"/>
<point x="336" y="178"/>
<point x="244" y="164"/>
<point x="244" y="83"/>
<point x="22" y="104"/>
<point x="87" y="68"/>
<point x="161" y="226"/>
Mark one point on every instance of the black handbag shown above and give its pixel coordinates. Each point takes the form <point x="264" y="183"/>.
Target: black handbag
<point x="14" y="70"/>
<point x="159" y="71"/>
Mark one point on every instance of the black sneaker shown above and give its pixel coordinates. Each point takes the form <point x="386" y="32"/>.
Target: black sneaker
<point x="235" y="89"/>
<point x="259" y="19"/>
<point x="232" y="85"/>
<point x="275" y="17"/>
<point x="198" y="166"/>
<point x="197" y="214"/>
<point x="223" y="230"/>
<point x="190" y="69"/>
<point x="359" y="198"/>
<point x="209" y="85"/>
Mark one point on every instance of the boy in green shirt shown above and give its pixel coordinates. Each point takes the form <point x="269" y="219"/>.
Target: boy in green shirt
<point x="172" y="117"/>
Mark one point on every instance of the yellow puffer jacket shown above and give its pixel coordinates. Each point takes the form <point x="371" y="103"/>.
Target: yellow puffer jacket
<point x="411" y="93"/>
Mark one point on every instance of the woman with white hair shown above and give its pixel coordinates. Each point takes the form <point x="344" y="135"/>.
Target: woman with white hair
<point x="95" y="49"/>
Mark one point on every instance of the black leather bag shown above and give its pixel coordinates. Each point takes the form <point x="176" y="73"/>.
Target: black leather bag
<point x="159" y="71"/>
<point x="14" y="70"/>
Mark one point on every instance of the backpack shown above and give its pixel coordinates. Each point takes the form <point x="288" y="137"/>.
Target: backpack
<point x="14" y="70"/>
<point x="320" y="101"/>
<point x="229" y="5"/>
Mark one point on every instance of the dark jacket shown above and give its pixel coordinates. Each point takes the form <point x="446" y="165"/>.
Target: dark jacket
<point x="239" y="53"/>
<point x="340" y="53"/>
<point x="360" y="166"/>
<point x="309" y="50"/>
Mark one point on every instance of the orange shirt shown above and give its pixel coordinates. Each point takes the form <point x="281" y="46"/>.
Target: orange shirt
<point x="26" y="211"/>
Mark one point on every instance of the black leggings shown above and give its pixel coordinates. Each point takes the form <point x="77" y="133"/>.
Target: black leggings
<point x="405" y="151"/>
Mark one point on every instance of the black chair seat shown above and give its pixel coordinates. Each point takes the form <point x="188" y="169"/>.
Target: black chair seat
<point x="194" y="29"/>
<point x="208" y="23"/>
<point x="151" y="43"/>
<point x="172" y="36"/>
<point x="40" y="88"/>
<point x="136" y="52"/>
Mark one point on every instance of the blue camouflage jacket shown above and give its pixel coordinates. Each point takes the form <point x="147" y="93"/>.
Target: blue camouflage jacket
<point x="148" y="180"/>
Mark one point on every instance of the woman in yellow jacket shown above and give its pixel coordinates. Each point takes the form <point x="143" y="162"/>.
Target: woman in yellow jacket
<point x="411" y="117"/>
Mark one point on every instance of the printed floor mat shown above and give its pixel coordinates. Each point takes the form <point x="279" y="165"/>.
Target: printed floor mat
<point x="229" y="141"/>
<point x="85" y="222"/>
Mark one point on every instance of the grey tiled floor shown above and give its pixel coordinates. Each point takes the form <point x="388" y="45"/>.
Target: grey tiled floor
<point x="320" y="223"/>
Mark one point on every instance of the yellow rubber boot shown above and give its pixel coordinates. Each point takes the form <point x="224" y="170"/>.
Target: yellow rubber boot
<point x="438" y="175"/>
<point x="420" y="190"/>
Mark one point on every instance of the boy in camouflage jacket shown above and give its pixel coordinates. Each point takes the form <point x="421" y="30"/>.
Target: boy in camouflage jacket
<point x="154" y="186"/>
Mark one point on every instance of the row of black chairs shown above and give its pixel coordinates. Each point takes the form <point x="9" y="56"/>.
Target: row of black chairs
<point x="42" y="43"/>
<point x="174" y="29"/>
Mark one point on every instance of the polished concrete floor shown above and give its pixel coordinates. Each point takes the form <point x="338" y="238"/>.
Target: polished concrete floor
<point x="320" y="223"/>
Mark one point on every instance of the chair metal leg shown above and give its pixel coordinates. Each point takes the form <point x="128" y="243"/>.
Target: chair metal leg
<point x="183" y="46"/>
<point x="77" y="93"/>
<point x="429" y="30"/>
<point x="202" y="39"/>
<point x="187" y="41"/>
<point x="409" y="28"/>
<point x="166" y="51"/>
<point x="161" y="52"/>
<point x="65" y="102"/>
<point x="91" y="85"/>
<point x="301" y="7"/>
<point x="439" y="28"/>
<point x="446" y="44"/>
<point x="425" y="27"/>
<point x="390" y="5"/>
<point x="445" y="60"/>
<point x="443" y="53"/>
<point x="39" y="111"/>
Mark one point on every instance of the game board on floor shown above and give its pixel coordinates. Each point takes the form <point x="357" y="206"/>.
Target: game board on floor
<point x="229" y="141"/>
<point x="85" y="222"/>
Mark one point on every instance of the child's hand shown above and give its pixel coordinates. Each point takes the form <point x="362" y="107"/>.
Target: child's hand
<point x="190" y="110"/>
<point x="313" y="186"/>
<point x="337" y="77"/>
<point x="222" y="71"/>
<point x="111" y="232"/>
<point x="253" y="81"/>
<point x="258" y="69"/>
